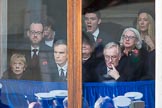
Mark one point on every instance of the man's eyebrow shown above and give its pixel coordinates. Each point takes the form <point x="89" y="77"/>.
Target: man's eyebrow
<point x="61" y="52"/>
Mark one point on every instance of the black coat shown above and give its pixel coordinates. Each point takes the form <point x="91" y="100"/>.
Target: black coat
<point x="55" y="73"/>
<point x="150" y="66"/>
<point x="101" y="41"/>
<point x="9" y="74"/>
<point x="130" y="68"/>
<point x="133" y="66"/>
<point x="101" y="69"/>
<point x="88" y="69"/>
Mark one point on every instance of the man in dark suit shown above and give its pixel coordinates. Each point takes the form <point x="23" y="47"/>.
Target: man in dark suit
<point x="37" y="54"/>
<point x="117" y="68"/>
<point x="110" y="69"/>
<point x="60" y="59"/>
<point x="92" y="21"/>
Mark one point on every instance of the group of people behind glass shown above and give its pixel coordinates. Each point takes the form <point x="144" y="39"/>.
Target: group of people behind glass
<point x="42" y="57"/>
<point x="131" y="58"/>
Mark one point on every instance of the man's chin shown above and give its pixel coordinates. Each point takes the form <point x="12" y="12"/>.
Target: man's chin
<point x="18" y="73"/>
<point x="35" y="42"/>
<point x="89" y="31"/>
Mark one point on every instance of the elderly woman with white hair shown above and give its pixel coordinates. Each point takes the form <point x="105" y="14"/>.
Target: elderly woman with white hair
<point x="130" y="39"/>
<point x="133" y="55"/>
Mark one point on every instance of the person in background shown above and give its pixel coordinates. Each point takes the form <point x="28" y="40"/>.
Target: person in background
<point x="60" y="59"/>
<point x="146" y="26"/>
<point x="17" y="69"/>
<point x="110" y="69"/>
<point x="92" y="19"/>
<point x="125" y="62"/>
<point x="89" y="59"/>
<point x="38" y="55"/>
<point x="133" y="55"/>
<point x="49" y="33"/>
<point x="150" y="66"/>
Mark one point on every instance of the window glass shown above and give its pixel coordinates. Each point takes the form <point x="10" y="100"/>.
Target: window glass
<point x="118" y="47"/>
<point x="35" y="54"/>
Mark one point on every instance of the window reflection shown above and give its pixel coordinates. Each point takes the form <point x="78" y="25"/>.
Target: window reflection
<point x="117" y="53"/>
<point x="34" y="31"/>
<point x="33" y="28"/>
<point x="105" y="22"/>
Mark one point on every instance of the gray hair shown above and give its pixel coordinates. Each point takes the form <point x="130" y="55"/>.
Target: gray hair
<point x="111" y="45"/>
<point x="137" y="35"/>
<point x="60" y="42"/>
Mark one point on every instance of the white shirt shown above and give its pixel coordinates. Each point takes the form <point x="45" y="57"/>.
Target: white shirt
<point x="107" y="75"/>
<point x="64" y="68"/>
<point x="95" y="34"/>
<point x="33" y="52"/>
<point x="49" y="43"/>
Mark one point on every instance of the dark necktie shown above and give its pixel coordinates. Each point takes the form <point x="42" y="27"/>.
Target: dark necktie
<point x="35" y="58"/>
<point x="63" y="77"/>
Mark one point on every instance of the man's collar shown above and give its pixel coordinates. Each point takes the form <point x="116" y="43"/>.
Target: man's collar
<point x="96" y="32"/>
<point x="34" y="48"/>
<point x="108" y="69"/>
<point x="64" y="67"/>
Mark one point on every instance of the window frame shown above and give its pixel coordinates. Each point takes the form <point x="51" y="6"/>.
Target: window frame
<point x="74" y="28"/>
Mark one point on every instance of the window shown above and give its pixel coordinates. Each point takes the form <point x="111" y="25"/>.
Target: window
<point x="74" y="28"/>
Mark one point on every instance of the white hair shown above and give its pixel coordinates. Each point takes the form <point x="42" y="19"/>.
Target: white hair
<point x="137" y="35"/>
<point x="111" y="45"/>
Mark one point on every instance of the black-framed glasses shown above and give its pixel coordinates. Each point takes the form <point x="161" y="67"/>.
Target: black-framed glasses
<point x="38" y="33"/>
<point x="128" y="37"/>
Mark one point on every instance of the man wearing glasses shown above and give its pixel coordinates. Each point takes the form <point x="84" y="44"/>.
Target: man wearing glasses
<point x="109" y="68"/>
<point x="112" y="68"/>
<point x="37" y="53"/>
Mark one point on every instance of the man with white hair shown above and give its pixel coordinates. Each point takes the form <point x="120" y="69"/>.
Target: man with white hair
<point x="110" y="68"/>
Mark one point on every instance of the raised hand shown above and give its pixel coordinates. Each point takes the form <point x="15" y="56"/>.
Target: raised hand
<point x="114" y="73"/>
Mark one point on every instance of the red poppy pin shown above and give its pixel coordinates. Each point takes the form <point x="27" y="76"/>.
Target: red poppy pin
<point x="45" y="62"/>
<point x="135" y="51"/>
<point x="99" y="40"/>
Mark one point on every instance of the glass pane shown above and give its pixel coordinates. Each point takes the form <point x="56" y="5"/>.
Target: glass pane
<point x="118" y="52"/>
<point x="35" y="53"/>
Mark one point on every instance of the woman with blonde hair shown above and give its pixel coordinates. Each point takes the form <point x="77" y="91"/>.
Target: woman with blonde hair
<point x="146" y="26"/>
<point x="17" y="68"/>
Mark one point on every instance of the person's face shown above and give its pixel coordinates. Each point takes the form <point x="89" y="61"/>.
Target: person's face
<point x="18" y="67"/>
<point x="143" y="22"/>
<point x="35" y="33"/>
<point x="86" y="50"/>
<point x="60" y="54"/>
<point x="92" y="22"/>
<point x="129" y="39"/>
<point x="111" y="56"/>
<point x="48" y="33"/>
